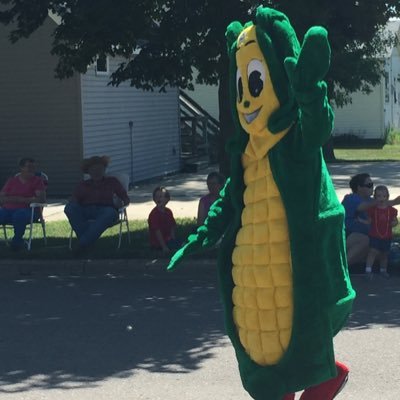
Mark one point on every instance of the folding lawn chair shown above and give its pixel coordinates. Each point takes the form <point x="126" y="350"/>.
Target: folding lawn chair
<point x="122" y="214"/>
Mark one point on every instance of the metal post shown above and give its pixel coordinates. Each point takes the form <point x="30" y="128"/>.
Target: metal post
<point x="131" y="143"/>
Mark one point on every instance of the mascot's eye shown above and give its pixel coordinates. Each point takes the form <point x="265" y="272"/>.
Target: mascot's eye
<point x="256" y="77"/>
<point x="239" y="86"/>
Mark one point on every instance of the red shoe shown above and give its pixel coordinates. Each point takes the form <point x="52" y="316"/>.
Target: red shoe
<point x="330" y="389"/>
<point x="289" y="397"/>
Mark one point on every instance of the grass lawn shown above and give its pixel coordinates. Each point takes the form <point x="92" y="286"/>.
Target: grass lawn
<point x="106" y="247"/>
<point x="386" y="153"/>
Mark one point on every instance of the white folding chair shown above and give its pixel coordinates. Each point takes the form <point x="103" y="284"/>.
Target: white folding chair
<point x="122" y="211"/>
<point x="122" y="214"/>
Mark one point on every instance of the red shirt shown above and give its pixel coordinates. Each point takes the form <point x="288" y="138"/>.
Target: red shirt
<point x="381" y="222"/>
<point x="15" y="187"/>
<point x="100" y="193"/>
<point x="163" y="221"/>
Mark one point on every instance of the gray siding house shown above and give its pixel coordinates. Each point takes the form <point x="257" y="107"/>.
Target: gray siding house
<point x="371" y="116"/>
<point x="60" y="122"/>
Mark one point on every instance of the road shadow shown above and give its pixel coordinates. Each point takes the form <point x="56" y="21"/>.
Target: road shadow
<point x="67" y="333"/>
<point x="377" y="303"/>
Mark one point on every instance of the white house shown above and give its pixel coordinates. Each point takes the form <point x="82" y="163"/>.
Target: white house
<point x="207" y="97"/>
<point x="60" y="122"/>
<point x="367" y="117"/>
<point x="371" y="116"/>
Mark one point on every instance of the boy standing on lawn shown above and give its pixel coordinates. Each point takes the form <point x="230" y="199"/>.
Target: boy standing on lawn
<point x="162" y="223"/>
<point x="382" y="218"/>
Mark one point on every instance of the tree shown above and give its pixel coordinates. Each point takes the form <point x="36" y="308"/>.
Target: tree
<point x="175" y="36"/>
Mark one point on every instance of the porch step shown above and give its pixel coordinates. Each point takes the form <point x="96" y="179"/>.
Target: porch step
<point x="194" y="166"/>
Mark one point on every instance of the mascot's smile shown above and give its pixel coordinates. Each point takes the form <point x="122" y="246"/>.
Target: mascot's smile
<point x="252" y="116"/>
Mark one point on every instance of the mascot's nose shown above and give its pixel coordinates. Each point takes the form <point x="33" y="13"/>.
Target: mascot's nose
<point x="246" y="103"/>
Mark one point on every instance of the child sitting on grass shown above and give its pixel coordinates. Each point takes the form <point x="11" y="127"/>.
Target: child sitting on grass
<point x="162" y="223"/>
<point x="382" y="218"/>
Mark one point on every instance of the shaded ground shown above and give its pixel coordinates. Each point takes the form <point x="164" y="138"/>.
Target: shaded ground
<point x="147" y="334"/>
<point x="68" y="332"/>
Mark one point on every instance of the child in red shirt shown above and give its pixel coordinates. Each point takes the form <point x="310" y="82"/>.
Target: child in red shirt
<point x="162" y="222"/>
<point x="382" y="218"/>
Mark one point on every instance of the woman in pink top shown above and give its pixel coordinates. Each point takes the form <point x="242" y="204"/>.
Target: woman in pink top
<point x="15" y="197"/>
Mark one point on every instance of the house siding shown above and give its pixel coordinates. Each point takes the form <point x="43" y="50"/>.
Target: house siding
<point x="392" y="107"/>
<point x="370" y="116"/>
<point x="364" y="117"/>
<point x="39" y="115"/>
<point x="107" y="111"/>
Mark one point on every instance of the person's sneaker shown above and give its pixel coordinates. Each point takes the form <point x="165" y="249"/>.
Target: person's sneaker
<point x="330" y="389"/>
<point x="384" y="275"/>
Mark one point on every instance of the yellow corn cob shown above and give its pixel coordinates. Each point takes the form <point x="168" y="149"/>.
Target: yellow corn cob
<point x="262" y="272"/>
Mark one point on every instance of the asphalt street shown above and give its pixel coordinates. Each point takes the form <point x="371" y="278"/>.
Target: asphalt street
<point x="145" y="334"/>
<point x="127" y="330"/>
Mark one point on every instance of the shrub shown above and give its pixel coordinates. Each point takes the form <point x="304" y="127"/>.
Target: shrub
<point x="393" y="137"/>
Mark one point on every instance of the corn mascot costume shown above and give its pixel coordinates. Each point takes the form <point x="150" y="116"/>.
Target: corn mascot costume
<point x="282" y="264"/>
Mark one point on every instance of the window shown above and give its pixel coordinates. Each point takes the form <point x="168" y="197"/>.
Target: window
<point x="102" y="65"/>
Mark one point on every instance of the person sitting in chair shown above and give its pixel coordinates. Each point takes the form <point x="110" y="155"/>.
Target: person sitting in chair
<point x="95" y="202"/>
<point x="16" y="196"/>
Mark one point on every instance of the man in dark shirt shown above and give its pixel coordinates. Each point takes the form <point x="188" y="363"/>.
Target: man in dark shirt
<point x="95" y="202"/>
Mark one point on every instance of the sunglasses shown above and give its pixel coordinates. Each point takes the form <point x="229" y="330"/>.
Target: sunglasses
<point x="368" y="185"/>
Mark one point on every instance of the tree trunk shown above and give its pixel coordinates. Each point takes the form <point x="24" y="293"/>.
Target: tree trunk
<point x="226" y="122"/>
<point x="327" y="151"/>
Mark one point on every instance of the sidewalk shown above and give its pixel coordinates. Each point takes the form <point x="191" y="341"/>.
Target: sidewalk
<point x="187" y="188"/>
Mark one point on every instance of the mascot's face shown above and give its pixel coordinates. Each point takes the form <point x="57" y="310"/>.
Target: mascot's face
<point x="256" y="98"/>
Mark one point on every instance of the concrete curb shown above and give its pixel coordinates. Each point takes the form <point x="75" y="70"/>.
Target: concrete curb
<point x="156" y="268"/>
<point x="205" y="268"/>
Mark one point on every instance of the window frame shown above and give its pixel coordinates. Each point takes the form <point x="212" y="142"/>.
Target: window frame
<point x="105" y="72"/>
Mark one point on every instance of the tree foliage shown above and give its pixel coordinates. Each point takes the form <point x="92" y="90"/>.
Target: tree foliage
<point x="176" y="36"/>
<point x="357" y="36"/>
<point x="173" y="36"/>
